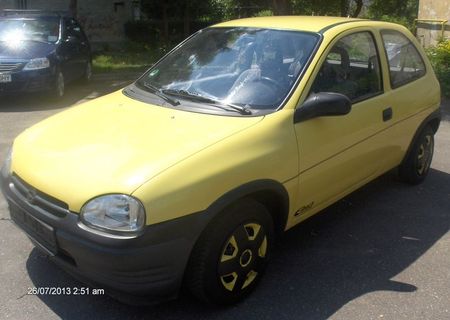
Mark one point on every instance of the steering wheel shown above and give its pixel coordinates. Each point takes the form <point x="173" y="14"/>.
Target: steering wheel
<point x="272" y="82"/>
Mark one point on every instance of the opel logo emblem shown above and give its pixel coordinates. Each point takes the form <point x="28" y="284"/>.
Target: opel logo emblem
<point x="31" y="196"/>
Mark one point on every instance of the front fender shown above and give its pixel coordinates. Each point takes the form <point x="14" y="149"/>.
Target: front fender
<point x="225" y="171"/>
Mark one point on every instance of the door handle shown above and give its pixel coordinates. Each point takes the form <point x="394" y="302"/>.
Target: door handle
<point x="387" y="114"/>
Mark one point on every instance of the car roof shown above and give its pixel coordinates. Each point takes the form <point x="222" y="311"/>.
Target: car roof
<point x="304" y="23"/>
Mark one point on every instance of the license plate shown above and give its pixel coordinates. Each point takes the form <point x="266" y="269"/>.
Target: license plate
<point x="5" y="77"/>
<point x="40" y="232"/>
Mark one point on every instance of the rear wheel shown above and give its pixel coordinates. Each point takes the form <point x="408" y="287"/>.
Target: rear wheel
<point x="416" y="165"/>
<point x="230" y="257"/>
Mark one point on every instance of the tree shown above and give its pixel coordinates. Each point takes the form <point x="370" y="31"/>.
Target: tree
<point x="342" y="8"/>
<point x="282" y="7"/>
<point x="176" y="17"/>
<point x="395" y="8"/>
<point x="358" y="8"/>
<point x="398" y="11"/>
<point x="172" y="20"/>
<point x="73" y="8"/>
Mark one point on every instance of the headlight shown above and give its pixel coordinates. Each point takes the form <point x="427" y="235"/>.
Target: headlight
<point x="115" y="213"/>
<point x="6" y="168"/>
<point x="38" y="63"/>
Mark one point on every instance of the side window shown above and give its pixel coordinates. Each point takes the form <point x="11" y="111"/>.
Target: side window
<point x="405" y="62"/>
<point x="351" y="68"/>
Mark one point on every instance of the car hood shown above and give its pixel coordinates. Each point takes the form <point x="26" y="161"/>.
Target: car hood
<point x="25" y="50"/>
<point x="113" y="145"/>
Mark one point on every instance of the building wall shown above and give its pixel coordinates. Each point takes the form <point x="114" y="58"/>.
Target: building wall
<point x="7" y="4"/>
<point x="429" y="33"/>
<point x="102" y="20"/>
<point x="55" y="5"/>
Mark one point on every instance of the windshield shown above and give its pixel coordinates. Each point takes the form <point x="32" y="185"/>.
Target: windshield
<point x="36" y="29"/>
<point x="247" y="67"/>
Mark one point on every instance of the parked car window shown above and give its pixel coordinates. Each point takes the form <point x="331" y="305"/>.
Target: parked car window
<point x="405" y="62"/>
<point x="351" y="68"/>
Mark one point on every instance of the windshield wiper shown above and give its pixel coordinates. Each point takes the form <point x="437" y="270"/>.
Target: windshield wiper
<point x="160" y="93"/>
<point x="197" y="97"/>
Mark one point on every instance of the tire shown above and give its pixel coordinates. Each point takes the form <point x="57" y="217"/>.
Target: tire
<point x="231" y="255"/>
<point x="60" y="85"/>
<point x="416" y="165"/>
<point x="87" y="75"/>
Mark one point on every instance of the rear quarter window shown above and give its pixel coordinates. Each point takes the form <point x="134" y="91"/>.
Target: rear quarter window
<point x="405" y="62"/>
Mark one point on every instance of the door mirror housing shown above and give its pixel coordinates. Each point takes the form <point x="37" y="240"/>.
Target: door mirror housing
<point x="323" y="104"/>
<point x="71" y="39"/>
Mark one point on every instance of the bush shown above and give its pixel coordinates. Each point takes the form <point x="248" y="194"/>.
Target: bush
<point x="440" y="59"/>
<point x="142" y="31"/>
<point x="151" y="31"/>
<point x="264" y="13"/>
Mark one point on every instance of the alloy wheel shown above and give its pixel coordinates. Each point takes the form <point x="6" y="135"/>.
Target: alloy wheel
<point x="60" y="85"/>
<point x="424" y="155"/>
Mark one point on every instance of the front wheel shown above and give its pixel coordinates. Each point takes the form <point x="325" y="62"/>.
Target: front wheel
<point x="231" y="255"/>
<point x="416" y="165"/>
<point x="59" y="89"/>
<point x="87" y="75"/>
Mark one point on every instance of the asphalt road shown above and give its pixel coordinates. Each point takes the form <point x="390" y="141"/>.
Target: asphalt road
<point x="381" y="253"/>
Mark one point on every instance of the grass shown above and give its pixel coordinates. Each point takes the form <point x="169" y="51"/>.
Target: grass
<point x="131" y="57"/>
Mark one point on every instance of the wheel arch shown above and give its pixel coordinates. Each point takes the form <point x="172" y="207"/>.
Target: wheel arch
<point x="433" y="120"/>
<point x="270" y="193"/>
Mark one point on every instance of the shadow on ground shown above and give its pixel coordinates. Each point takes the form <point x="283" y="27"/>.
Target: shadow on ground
<point x="75" y="93"/>
<point x="352" y="248"/>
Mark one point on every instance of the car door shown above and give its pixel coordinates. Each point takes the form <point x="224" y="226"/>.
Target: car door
<point x="72" y="50"/>
<point x="67" y="51"/>
<point x="411" y="89"/>
<point x="340" y="153"/>
<point x="84" y="47"/>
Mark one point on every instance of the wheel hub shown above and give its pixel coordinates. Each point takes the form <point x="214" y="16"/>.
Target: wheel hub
<point x="424" y="155"/>
<point x="242" y="256"/>
<point x="246" y="258"/>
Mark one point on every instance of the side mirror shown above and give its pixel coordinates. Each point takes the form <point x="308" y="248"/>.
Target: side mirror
<point x="71" y="39"/>
<point x="323" y="104"/>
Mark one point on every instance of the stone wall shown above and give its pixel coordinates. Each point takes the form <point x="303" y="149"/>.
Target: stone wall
<point x="430" y="32"/>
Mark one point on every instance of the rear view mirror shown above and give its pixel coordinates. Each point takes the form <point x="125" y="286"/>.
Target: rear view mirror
<point x="323" y="104"/>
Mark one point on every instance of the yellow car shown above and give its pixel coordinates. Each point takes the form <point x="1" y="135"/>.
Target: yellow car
<point x="244" y="130"/>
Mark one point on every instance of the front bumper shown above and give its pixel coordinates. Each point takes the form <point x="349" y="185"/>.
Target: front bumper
<point x="142" y="270"/>
<point x="29" y="81"/>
